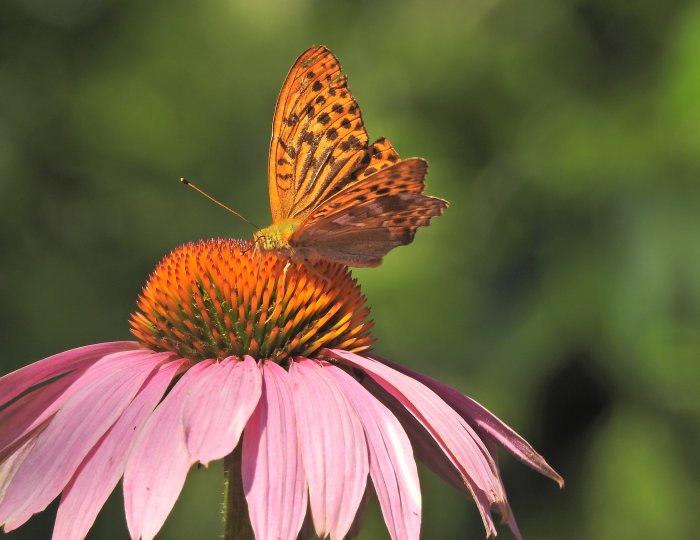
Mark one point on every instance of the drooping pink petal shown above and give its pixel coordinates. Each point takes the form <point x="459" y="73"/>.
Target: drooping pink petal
<point x="391" y="463"/>
<point x="273" y="474"/>
<point x="484" y="421"/>
<point x="333" y="448"/>
<point x="159" y="461"/>
<point x="424" y="445"/>
<point x="99" y="473"/>
<point x="17" y="382"/>
<point x="22" y="417"/>
<point x="9" y="467"/>
<point x="456" y="438"/>
<point x="72" y="432"/>
<point x="429" y="451"/>
<point x="508" y="517"/>
<point x="218" y="408"/>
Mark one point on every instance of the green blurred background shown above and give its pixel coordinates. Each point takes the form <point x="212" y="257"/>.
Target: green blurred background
<point x="561" y="288"/>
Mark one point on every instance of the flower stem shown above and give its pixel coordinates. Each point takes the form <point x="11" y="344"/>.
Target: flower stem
<point x="234" y="508"/>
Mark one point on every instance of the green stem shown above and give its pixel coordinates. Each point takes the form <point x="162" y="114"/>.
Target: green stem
<point x="234" y="508"/>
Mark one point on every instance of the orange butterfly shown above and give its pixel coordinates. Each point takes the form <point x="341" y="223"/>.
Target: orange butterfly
<point x="332" y="195"/>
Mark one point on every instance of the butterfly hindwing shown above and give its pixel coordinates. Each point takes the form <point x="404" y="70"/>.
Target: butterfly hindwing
<point x="365" y="221"/>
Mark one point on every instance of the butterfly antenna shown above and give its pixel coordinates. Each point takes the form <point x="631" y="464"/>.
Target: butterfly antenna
<point x="212" y="199"/>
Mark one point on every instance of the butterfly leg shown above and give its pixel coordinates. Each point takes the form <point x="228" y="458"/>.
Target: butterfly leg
<point x="284" y="273"/>
<point x="258" y="252"/>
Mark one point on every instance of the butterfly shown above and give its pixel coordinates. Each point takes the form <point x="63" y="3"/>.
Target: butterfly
<point x="334" y="196"/>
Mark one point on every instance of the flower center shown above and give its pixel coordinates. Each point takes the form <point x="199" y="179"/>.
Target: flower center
<point x="219" y="298"/>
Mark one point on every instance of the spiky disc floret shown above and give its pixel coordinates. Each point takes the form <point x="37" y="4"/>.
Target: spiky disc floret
<point x="219" y="298"/>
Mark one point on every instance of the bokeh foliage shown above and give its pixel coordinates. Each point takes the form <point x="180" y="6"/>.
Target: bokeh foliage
<point x="561" y="288"/>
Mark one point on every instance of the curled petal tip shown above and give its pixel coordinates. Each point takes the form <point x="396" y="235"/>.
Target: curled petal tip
<point x="560" y="481"/>
<point x="540" y="465"/>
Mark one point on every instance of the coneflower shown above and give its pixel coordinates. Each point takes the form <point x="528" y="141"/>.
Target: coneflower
<point x="243" y="357"/>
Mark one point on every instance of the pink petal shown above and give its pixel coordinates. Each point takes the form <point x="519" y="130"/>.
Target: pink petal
<point x="485" y="422"/>
<point x="431" y="453"/>
<point x="103" y="467"/>
<point x="24" y="416"/>
<point x="159" y="461"/>
<point x="425" y="447"/>
<point x="13" y="384"/>
<point x="456" y="438"/>
<point x="218" y="408"/>
<point x="70" y="435"/>
<point x="10" y="466"/>
<point x="273" y="474"/>
<point x="333" y="448"/>
<point x="508" y="517"/>
<point x="391" y="463"/>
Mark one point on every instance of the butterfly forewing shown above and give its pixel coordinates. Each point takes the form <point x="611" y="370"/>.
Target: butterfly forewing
<point x="318" y="137"/>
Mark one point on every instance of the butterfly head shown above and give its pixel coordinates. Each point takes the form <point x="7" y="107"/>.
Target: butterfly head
<point x="276" y="236"/>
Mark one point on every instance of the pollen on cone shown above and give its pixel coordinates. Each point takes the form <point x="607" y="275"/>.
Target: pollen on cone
<point x="219" y="298"/>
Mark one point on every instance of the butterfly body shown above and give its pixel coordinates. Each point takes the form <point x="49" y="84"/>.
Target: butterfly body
<point x="333" y="195"/>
